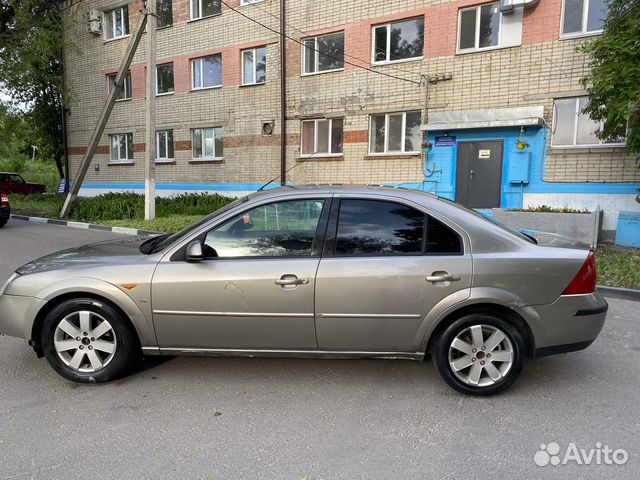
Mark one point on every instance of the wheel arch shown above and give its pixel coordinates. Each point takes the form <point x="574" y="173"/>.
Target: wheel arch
<point x="502" y="311"/>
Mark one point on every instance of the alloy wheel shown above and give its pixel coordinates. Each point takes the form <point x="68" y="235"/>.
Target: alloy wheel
<point x="481" y="355"/>
<point x="85" y="341"/>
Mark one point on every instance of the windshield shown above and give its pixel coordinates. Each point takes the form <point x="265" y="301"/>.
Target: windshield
<point x="517" y="233"/>
<point x="161" y="242"/>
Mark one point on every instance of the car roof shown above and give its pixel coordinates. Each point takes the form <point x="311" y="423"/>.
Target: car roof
<point x="341" y="188"/>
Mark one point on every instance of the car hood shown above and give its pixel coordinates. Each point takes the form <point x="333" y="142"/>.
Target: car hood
<point x="111" y="252"/>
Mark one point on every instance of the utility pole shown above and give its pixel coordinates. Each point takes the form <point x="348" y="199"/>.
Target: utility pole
<point x="104" y="117"/>
<point x="283" y="95"/>
<point x="150" y="114"/>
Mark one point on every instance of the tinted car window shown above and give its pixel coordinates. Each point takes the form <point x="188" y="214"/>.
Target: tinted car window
<point x="274" y="230"/>
<point x="372" y="227"/>
<point x="440" y="239"/>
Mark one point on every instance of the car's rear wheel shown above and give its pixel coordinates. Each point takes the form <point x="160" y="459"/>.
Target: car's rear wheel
<point x="86" y="340"/>
<point x="2" y="223"/>
<point x="479" y="354"/>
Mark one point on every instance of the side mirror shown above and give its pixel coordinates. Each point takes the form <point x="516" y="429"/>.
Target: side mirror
<point x="194" y="252"/>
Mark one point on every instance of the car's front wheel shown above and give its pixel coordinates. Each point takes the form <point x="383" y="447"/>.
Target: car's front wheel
<point x="479" y="354"/>
<point x="86" y="340"/>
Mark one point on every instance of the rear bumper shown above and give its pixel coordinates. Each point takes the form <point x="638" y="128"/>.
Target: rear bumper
<point x="5" y="213"/>
<point x="571" y="323"/>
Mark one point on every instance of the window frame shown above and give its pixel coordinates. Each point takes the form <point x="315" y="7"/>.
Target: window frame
<point x="127" y="86"/>
<point x="193" y="73"/>
<point x="255" y="65"/>
<point x="387" y="152"/>
<point x="159" y="27"/>
<point x="319" y="238"/>
<point x="215" y="157"/>
<point x="167" y="159"/>
<point x="585" y="20"/>
<point x="476" y="45"/>
<point x="331" y="238"/>
<point x="315" y="138"/>
<point x="576" y="145"/>
<point x="249" y="2"/>
<point x="158" y="94"/>
<point x="316" y="56"/>
<point x="388" y="46"/>
<point x="112" y="13"/>
<point x="128" y="136"/>
<point x="192" y="18"/>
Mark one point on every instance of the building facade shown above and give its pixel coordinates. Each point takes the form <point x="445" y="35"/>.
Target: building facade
<point x="477" y="102"/>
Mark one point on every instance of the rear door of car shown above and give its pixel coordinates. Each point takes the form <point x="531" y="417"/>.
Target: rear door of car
<point x="386" y="264"/>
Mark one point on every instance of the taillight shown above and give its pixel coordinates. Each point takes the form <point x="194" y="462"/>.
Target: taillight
<point x="585" y="281"/>
<point x="4" y="200"/>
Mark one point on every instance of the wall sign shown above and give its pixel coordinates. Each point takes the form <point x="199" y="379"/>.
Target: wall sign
<point x="484" y="153"/>
<point x="445" y="141"/>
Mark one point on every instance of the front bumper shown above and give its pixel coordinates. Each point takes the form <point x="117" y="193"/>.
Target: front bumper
<point x="571" y="323"/>
<point x="17" y="315"/>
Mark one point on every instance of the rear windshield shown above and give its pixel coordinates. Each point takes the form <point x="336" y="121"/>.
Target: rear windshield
<point x="517" y="233"/>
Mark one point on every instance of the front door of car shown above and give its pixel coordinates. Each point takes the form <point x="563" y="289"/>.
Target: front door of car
<point x="254" y="289"/>
<point x="385" y="265"/>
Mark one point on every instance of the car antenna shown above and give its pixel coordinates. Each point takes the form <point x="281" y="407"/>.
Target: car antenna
<point x="299" y="162"/>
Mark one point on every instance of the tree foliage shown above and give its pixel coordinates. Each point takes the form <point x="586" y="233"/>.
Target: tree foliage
<point x="31" y="45"/>
<point x="613" y="84"/>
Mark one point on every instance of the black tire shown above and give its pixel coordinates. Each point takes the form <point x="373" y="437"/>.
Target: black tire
<point x="441" y="350"/>
<point x="127" y="347"/>
<point x="2" y="223"/>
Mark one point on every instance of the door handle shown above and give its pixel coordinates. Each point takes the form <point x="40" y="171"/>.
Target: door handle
<point x="442" y="277"/>
<point x="291" y="280"/>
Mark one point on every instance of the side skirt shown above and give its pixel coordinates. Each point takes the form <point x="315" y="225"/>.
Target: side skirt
<point x="228" y="352"/>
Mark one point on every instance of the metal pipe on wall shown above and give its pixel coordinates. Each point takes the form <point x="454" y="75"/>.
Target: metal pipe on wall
<point x="283" y="96"/>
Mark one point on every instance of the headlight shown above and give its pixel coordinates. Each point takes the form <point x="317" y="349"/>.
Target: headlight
<point x="13" y="276"/>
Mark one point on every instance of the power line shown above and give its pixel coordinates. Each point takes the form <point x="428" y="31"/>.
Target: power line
<point x="293" y="27"/>
<point x="315" y="49"/>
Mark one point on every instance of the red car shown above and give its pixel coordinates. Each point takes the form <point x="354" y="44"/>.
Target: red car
<point x="14" y="183"/>
<point x="5" y="209"/>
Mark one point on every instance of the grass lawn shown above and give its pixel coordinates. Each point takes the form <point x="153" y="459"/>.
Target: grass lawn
<point x="618" y="267"/>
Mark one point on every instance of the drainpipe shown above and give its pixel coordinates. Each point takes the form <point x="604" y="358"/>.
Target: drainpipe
<point x="283" y="96"/>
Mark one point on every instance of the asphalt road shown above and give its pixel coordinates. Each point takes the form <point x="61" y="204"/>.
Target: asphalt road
<point x="310" y="419"/>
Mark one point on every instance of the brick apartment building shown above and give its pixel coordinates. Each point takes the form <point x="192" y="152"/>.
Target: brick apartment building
<point x="499" y="73"/>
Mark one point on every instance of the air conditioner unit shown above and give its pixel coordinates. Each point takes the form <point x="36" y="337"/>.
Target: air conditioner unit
<point x="94" y="21"/>
<point x="507" y="6"/>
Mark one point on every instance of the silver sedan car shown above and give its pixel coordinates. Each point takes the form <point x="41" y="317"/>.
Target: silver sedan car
<point x="325" y="272"/>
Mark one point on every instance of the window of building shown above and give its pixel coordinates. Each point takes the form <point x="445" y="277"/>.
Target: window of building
<point x="572" y="128"/>
<point x="207" y="143"/>
<point x="121" y="145"/>
<point x="322" y="136"/>
<point x="164" y="146"/>
<point x="164" y="77"/>
<point x="323" y="54"/>
<point x="205" y="8"/>
<point x="276" y="230"/>
<point x="117" y="22"/>
<point x="581" y="17"/>
<point x="164" y="16"/>
<point x="395" y="133"/>
<point x="250" y="2"/>
<point x="207" y="72"/>
<point x="485" y="27"/>
<point x="125" y="92"/>
<point x="254" y="66"/>
<point x="398" y="41"/>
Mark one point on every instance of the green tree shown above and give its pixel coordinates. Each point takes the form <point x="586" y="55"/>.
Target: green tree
<point x="613" y="84"/>
<point x="31" y="44"/>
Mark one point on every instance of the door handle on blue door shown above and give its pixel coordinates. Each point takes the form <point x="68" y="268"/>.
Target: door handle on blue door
<point x="442" y="277"/>
<point x="291" y="280"/>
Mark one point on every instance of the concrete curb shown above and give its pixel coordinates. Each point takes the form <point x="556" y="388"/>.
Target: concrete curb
<point x="86" y="226"/>
<point x="620" y="293"/>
